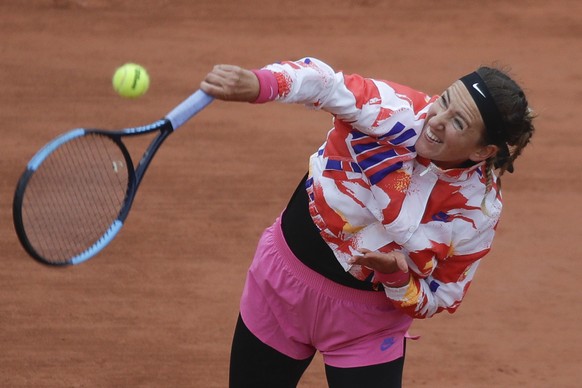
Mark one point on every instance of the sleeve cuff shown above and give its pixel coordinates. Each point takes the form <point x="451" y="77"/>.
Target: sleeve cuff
<point x="395" y="279"/>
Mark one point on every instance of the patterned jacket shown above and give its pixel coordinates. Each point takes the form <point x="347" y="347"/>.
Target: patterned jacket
<point x="369" y="189"/>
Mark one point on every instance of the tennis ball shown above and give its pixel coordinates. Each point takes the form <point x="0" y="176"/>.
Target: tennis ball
<point x="131" y="80"/>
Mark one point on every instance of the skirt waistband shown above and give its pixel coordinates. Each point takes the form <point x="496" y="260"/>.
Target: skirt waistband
<point x="315" y="280"/>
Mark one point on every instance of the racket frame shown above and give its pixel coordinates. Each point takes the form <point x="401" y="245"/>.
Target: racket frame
<point x="172" y="121"/>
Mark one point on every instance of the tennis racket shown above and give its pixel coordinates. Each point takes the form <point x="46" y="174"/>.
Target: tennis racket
<point x="76" y="192"/>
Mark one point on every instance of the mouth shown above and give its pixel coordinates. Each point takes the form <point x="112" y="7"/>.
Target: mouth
<point x="431" y="136"/>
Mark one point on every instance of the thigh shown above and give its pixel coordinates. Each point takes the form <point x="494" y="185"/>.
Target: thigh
<point x="387" y="375"/>
<point x="254" y="364"/>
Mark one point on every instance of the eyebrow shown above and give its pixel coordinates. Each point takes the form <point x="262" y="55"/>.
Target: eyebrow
<point x="448" y="98"/>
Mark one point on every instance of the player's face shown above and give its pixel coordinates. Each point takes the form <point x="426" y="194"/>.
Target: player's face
<point x="453" y="130"/>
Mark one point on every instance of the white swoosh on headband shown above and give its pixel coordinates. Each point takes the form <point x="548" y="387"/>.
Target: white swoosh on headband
<point x="477" y="89"/>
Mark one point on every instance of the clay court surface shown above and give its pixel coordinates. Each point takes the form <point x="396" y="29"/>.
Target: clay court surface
<point x="157" y="308"/>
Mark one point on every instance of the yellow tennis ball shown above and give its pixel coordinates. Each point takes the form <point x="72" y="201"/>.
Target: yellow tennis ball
<point x="131" y="80"/>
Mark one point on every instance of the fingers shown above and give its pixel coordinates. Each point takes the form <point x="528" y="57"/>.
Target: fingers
<point x="356" y="260"/>
<point x="217" y="82"/>
<point x="223" y="76"/>
<point x="401" y="263"/>
<point x="381" y="262"/>
<point x="231" y="83"/>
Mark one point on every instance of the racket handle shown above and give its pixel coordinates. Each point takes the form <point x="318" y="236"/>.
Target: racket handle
<point x="188" y="108"/>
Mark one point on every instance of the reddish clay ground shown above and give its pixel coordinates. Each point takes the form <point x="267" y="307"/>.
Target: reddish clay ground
<point x="157" y="307"/>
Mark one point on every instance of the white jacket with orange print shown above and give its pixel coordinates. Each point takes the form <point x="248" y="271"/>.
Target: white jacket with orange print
<point x="368" y="189"/>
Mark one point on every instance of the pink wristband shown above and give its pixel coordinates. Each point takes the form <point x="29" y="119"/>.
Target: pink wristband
<point x="268" y="86"/>
<point x="395" y="279"/>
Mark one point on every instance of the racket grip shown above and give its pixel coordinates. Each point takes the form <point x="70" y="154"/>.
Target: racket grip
<point x="188" y="108"/>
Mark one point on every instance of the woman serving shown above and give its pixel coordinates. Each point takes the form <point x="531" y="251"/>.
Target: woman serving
<point x="390" y="223"/>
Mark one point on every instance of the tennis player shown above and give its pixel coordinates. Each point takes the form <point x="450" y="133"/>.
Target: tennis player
<point x="397" y="209"/>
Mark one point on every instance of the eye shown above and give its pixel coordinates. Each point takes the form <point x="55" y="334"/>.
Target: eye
<point x="458" y="124"/>
<point x="443" y="101"/>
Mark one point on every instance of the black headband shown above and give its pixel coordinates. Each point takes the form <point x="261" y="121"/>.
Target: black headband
<point x="487" y="107"/>
<point x="490" y="114"/>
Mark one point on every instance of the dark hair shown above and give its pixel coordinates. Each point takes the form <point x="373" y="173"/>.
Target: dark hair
<point x="515" y="112"/>
<point x="517" y="118"/>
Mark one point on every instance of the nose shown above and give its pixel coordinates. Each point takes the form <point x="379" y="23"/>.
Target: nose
<point x="438" y="120"/>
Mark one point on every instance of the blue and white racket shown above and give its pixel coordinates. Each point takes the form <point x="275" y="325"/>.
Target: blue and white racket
<point x="77" y="191"/>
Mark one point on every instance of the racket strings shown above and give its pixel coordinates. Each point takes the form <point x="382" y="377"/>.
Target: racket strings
<point x="74" y="196"/>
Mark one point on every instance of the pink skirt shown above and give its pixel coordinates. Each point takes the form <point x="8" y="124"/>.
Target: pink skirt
<point x="297" y="311"/>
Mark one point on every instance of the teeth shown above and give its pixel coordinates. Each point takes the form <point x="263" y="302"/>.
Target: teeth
<point x="431" y="136"/>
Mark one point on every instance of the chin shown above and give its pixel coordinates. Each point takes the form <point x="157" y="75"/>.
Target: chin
<point x="422" y="149"/>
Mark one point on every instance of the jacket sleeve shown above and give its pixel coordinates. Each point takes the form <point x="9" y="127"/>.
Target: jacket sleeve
<point x="445" y="274"/>
<point x="425" y="297"/>
<point x="370" y="106"/>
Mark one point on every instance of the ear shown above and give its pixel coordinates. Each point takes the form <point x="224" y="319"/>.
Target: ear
<point x="484" y="153"/>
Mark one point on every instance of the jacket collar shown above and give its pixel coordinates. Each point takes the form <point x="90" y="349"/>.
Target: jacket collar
<point x="451" y="174"/>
